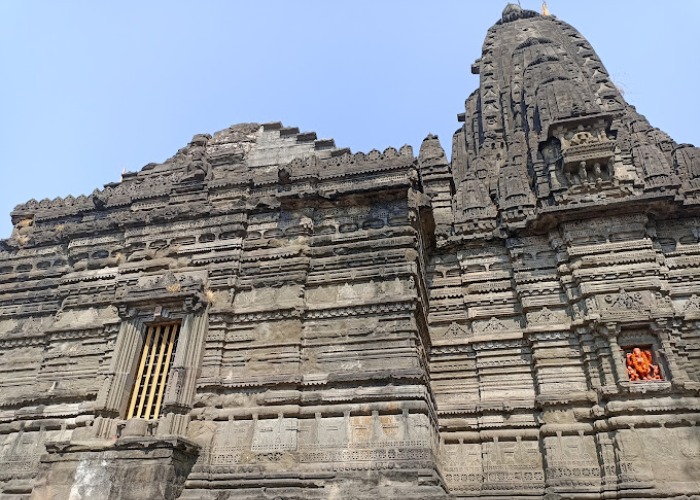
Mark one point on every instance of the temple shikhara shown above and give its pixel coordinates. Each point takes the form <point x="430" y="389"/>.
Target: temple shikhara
<point x="266" y="315"/>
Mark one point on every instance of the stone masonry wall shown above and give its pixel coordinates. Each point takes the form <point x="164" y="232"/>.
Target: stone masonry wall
<point x="520" y="321"/>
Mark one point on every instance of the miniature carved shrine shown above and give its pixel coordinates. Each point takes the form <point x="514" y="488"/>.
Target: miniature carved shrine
<point x="268" y="316"/>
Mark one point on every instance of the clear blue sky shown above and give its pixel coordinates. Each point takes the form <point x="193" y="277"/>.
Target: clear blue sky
<point x="91" y="88"/>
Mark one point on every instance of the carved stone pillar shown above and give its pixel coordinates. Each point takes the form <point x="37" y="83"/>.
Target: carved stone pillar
<point x="114" y="394"/>
<point x="610" y="331"/>
<point x="677" y="374"/>
<point x="606" y="454"/>
<point x="181" y="388"/>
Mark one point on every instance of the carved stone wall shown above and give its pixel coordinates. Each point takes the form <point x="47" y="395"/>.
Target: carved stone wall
<point x="520" y="321"/>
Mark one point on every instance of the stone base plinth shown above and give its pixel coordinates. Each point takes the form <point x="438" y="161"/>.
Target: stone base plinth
<point x="146" y="468"/>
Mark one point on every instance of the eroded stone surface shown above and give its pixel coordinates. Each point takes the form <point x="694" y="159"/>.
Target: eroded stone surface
<point x="374" y="325"/>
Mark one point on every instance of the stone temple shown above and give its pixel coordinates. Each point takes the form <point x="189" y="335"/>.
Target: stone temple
<point x="268" y="316"/>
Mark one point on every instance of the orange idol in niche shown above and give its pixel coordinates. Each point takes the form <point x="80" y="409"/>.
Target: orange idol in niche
<point x="640" y="365"/>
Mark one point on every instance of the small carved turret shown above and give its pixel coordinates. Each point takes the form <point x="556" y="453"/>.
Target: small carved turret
<point x="476" y="213"/>
<point x="654" y="167"/>
<point x="515" y="198"/>
<point x="432" y="158"/>
<point x="686" y="161"/>
<point x="438" y="183"/>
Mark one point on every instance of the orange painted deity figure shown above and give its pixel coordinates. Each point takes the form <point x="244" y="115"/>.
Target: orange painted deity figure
<point x="640" y="366"/>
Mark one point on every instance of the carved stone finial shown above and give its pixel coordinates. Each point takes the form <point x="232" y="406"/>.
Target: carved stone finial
<point x="513" y="12"/>
<point x="197" y="165"/>
<point x="431" y="153"/>
<point x="545" y="10"/>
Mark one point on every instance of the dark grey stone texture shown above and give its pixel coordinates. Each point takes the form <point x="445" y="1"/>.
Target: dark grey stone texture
<point x="374" y="325"/>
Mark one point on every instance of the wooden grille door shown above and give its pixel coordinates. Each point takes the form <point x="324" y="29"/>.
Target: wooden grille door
<point x="152" y="375"/>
